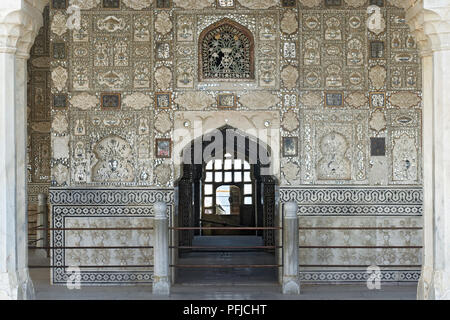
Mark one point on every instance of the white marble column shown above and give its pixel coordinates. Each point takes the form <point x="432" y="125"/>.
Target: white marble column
<point x="430" y="21"/>
<point x="161" y="279"/>
<point x="291" y="283"/>
<point x="19" y="23"/>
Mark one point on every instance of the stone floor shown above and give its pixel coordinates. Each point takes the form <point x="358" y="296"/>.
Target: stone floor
<point x="219" y="284"/>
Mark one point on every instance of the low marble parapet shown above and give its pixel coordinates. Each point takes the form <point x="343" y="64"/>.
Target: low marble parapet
<point x="104" y="208"/>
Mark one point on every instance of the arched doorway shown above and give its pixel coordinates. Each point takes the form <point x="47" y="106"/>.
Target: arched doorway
<point x="226" y="194"/>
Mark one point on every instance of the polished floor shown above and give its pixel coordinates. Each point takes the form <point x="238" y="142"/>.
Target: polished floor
<point x="217" y="253"/>
<point x="219" y="283"/>
<point x="45" y="291"/>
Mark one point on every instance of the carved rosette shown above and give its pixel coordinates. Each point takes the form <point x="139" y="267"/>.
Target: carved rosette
<point x="289" y="75"/>
<point x="59" y="77"/>
<point x="163" y="24"/>
<point x="289" y="22"/>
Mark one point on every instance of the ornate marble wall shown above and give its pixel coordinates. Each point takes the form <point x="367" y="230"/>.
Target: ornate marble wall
<point x="39" y="120"/>
<point x="346" y="96"/>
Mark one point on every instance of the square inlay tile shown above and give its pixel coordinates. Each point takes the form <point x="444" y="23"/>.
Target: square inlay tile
<point x="111" y="4"/>
<point x="59" y="101"/>
<point x="163" y="100"/>
<point x="163" y="4"/>
<point x="334" y="99"/>
<point x="162" y="50"/>
<point x="59" y="4"/>
<point x="377" y="99"/>
<point x="333" y="3"/>
<point x="59" y="50"/>
<point x="226" y="4"/>
<point x="376" y="49"/>
<point x="377" y="146"/>
<point x="226" y="100"/>
<point x="110" y="100"/>
<point x="290" y="146"/>
<point x="289" y="3"/>
<point x="163" y="148"/>
<point x="379" y="3"/>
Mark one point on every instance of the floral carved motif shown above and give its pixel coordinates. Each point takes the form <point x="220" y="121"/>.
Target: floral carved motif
<point x="290" y="121"/>
<point x="59" y="26"/>
<point x="163" y="174"/>
<point x="162" y="122"/>
<point x="355" y="3"/>
<point x="289" y="75"/>
<point x="137" y="101"/>
<point x="59" y="77"/>
<point x="114" y="156"/>
<point x="194" y="4"/>
<point x="197" y="100"/>
<point x="85" y="4"/>
<point x="311" y="99"/>
<point x="377" y="121"/>
<point x="289" y="22"/>
<point x="290" y="172"/>
<point x="311" y="3"/>
<point x="137" y="4"/>
<point x="259" y="4"/>
<point x="377" y="76"/>
<point x="259" y="100"/>
<point x="404" y="99"/>
<point x="163" y="77"/>
<point x="84" y="101"/>
<point x="357" y="100"/>
<point x="163" y="24"/>
<point x="60" y="174"/>
<point x="60" y="124"/>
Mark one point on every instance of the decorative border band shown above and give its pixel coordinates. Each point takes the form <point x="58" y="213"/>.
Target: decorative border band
<point x="120" y="202"/>
<point x="116" y="196"/>
<point x="358" y="276"/>
<point x="392" y="200"/>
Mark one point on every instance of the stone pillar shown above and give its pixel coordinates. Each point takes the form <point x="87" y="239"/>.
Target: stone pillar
<point x="291" y="283"/>
<point x="42" y="222"/>
<point x="430" y="22"/>
<point x="19" y="24"/>
<point x="161" y="280"/>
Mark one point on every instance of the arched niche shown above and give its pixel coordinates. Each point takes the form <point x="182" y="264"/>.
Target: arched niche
<point x="226" y="52"/>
